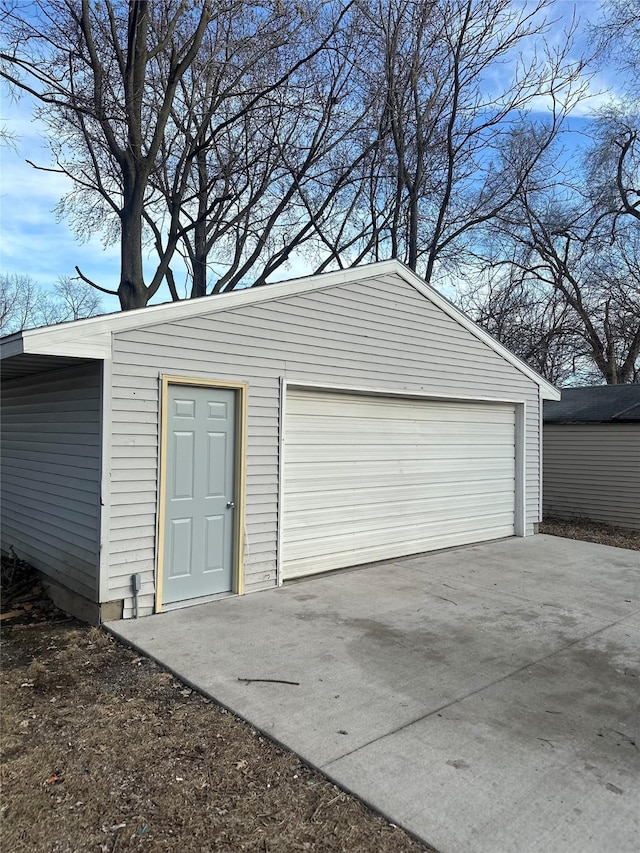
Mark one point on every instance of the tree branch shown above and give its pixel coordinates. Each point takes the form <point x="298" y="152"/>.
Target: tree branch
<point x="93" y="284"/>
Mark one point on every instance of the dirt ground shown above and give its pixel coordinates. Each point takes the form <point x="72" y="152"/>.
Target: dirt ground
<point x="103" y="751"/>
<point x="591" y="531"/>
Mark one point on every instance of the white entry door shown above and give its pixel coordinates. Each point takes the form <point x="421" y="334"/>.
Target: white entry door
<point x="199" y="492"/>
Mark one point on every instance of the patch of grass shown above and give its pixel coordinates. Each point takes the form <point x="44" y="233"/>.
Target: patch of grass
<point x="104" y="751"/>
<point x="592" y="531"/>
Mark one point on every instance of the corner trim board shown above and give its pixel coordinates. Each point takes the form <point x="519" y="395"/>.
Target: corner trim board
<point x="520" y="518"/>
<point x="105" y="480"/>
<point x="281" y="428"/>
<point x="540" y="454"/>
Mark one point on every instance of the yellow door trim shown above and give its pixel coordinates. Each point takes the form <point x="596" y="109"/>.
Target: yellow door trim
<point x="241" y="389"/>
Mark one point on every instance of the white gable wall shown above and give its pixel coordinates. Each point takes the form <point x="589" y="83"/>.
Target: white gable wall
<point x="375" y="335"/>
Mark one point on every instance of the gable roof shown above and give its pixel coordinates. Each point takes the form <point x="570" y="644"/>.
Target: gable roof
<point x="597" y="404"/>
<point x="91" y="338"/>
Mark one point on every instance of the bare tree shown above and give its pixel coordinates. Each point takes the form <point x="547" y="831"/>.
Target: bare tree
<point x="204" y="128"/>
<point x="453" y="80"/>
<point x="76" y="299"/>
<point x="19" y="298"/>
<point x="613" y="160"/>
<point x="566" y="258"/>
<point x="616" y="36"/>
<point x="24" y="304"/>
<point x="237" y="134"/>
<point x="531" y="320"/>
<point x="256" y="144"/>
<point x="93" y="69"/>
<point x="562" y="285"/>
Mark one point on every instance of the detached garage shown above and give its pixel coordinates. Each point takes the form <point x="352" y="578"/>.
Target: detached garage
<point x="178" y="453"/>
<point x="592" y="455"/>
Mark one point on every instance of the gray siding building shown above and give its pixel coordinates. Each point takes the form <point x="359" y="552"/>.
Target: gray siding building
<point x="224" y="445"/>
<point x="592" y="455"/>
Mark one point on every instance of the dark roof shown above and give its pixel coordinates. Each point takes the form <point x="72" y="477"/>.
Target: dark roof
<point x="598" y="404"/>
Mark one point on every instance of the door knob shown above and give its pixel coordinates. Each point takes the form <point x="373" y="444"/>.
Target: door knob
<point x="230" y="505"/>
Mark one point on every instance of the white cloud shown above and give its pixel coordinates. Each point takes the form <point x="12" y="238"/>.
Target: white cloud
<point x="601" y="84"/>
<point x="33" y="243"/>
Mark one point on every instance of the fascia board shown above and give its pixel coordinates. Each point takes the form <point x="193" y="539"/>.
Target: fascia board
<point x="88" y="346"/>
<point x="12" y="346"/>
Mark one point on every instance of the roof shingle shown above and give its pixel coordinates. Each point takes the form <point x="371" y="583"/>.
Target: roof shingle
<point x="597" y="404"/>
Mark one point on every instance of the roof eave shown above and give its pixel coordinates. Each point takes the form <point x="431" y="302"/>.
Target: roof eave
<point x="592" y="422"/>
<point x="48" y="341"/>
<point x="91" y="337"/>
<point x="88" y="337"/>
<point x="12" y="346"/>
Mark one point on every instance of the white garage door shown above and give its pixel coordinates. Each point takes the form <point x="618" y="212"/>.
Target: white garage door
<point x="370" y="478"/>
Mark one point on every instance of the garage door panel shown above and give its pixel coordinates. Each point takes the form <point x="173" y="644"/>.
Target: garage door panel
<point x="398" y="432"/>
<point x="399" y="533"/>
<point x="357" y="551"/>
<point x="378" y="408"/>
<point x="371" y="478"/>
<point x="374" y="431"/>
<point x="408" y="456"/>
<point x="421" y="445"/>
<point x="394" y="494"/>
<point x="307" y="445"/>
<point x="368" y="519"/>
<point x="332" y="476"/>
<point x="389" y="507"/>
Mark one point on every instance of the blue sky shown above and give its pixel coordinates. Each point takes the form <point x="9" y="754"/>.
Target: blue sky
<point x="34" y="243"/>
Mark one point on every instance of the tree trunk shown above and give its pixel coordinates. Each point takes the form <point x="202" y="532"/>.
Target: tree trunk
<point x="132" y="290"/>
<point x="199" y="287"/>
<point x="414" y="214"/>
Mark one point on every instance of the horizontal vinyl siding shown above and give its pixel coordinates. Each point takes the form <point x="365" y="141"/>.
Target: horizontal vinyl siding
<point x="592" y="471"/>
<point x="381" y="334"/>
<point x="51" y="473"/>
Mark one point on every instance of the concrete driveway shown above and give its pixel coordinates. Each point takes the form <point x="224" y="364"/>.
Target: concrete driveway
<point x="485" y="698"/>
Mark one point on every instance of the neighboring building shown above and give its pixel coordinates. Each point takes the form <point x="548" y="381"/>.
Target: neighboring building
<point x="222" y="445"/>
<point x="592" y="455"/>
